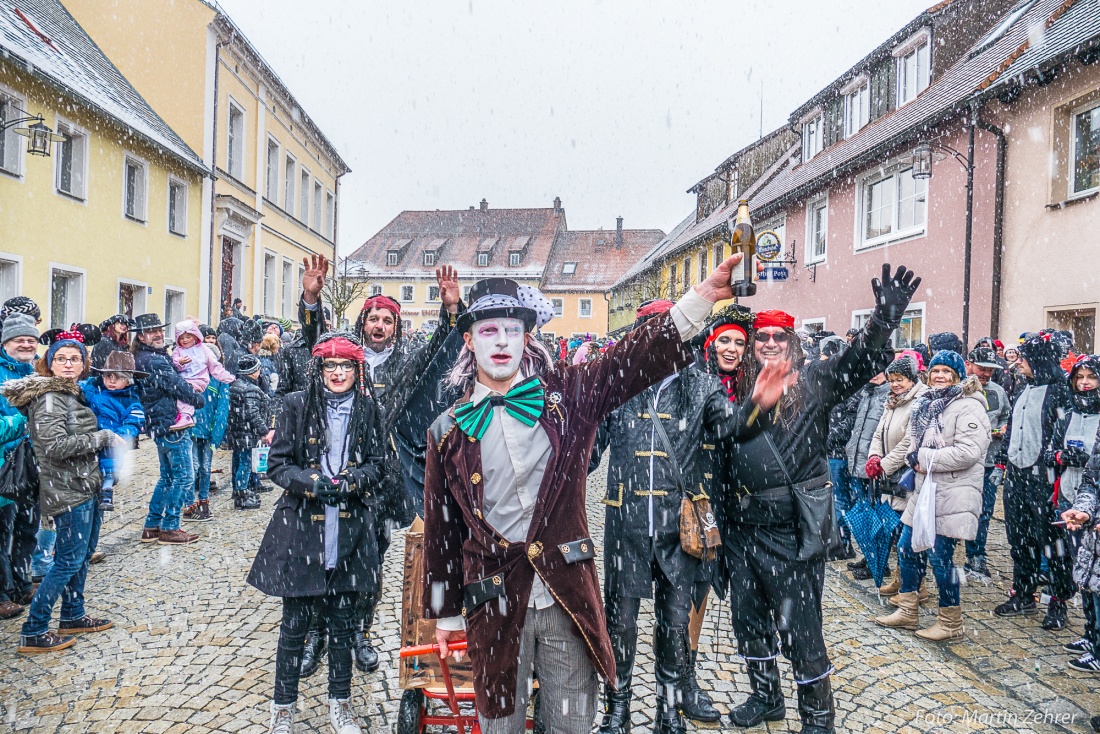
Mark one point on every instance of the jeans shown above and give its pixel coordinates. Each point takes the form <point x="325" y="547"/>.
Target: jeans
<point x="942" y="556"/>
<point x="339" y="613"/>
<point x="42" y="557"/>
<point x="177" y="479"/>
<point x="18" y="525"/>
<point x="77" y="536"/>
<point x="975" y="549"/>
<point x="843" y="492"/>
<point x="242" y="470"/>
<point x="202" y="453"/>
<point x="1090" y="606"/>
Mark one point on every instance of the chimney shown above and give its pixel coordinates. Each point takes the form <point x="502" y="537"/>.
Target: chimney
<point x="557" y="205"/>
<point x="619" y="232"/>
<point x="484" y="205"/>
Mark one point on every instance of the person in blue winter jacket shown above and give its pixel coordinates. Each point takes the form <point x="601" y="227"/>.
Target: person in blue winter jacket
<point x="113" y="398"/>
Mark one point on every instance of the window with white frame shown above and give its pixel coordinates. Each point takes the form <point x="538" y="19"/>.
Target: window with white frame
<point x="482" y="259"/>
<point x="514" y="259"/>
<point x="1085" y="143"/>
<point x="72" y="160"/>
<point x="11" y="155"/>
<point x="812" y="131"/>
<point x="913" y="70"/>
<point x="857" y="108"/>
<point x="406" y="293"/>
<point x="433" y="293"/>
<point x="702" y="266"/>
<point x="568" y="268"/>
<point x="391" y="257"/>
<point x="288" y="289"/>
<point x="406" y="325"/>
<point x="134" y="183"/>
<point x="673" y="279"/>
<point x="813" y="326"/>
<point x="272" y="189"/>
<point x="234" y="149"/>
<point x="289" y="179"/>
<point x="687" y="272"/>
<point x="270" y="284"/>
<point x="559" y="307"/>
<point x="719" y="254"/>
<point x="893" y="206"/>
<point x="429" y="259"/>
<point x="585" y="308"/>
<point x="132" y="298"/>
<point x="66" y="298"/>
<point x="175" y="308"/>
<point x="330" y="215"/>
<point x="318" y="193"/>
<point x="9" y="278"/>
<point x="817" y="230"/>
<point x="376" y="290"/>
<point x="303" y="198"/>
<point x="177" y="207"/>
<point x="910" y="331"/>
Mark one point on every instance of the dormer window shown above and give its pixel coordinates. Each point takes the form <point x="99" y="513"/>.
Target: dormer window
<point x="391" y="257"/>
<point x="812" y="134"/>
<point x="857" y="105"/>
<point x="914" y="67"/>
<point x="429" y="259"/>
<point x="568" y="268"/>
<point x="514" y="259"/>
<point x="483" y="259"/>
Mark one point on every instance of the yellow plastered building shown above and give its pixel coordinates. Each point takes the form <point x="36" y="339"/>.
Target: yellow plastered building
<point x="274" y="194"/>
<point x="111" y="219"/>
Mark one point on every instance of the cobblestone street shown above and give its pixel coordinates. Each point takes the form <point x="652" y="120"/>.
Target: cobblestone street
<point x="193" y="647"/>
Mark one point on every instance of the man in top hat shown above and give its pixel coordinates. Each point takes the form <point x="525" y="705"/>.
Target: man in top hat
<point x="159" y="392"/>
<point x="507" y="552"/>
<point x="396" y="375"/>
<point x="18" y="523"/>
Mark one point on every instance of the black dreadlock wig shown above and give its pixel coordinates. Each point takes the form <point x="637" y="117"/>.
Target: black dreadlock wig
<point x="363" y="427"/>
<point x="750" y="368"/>
<point x="361" y="323"/>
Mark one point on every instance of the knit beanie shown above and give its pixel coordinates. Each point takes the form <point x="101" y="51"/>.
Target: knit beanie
<point x="946" y="340"/>
<point x="19" y="324"/>
<point x="64" y="343"/>
<point x="905" y="366"/>
<point x="949" y="358"/>
<point x="20" y="304"/>
<point x="248" y="364"/>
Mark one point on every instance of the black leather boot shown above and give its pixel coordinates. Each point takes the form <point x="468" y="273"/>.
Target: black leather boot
<point x="815" y="707"/>
<point x="366" y="657"/>
<point x="316" y="644"/>
<point x="696" y="703"/>
<point x="616" y="706"/>
<point x="765" y="703"/>
<point x="670" y="668"/>
<point x="245" y="499"/>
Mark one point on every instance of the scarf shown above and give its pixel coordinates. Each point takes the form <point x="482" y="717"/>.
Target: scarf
<point x="894" y="401"/>
<point x="928" y="408"/>
<point x="729" y="381"/>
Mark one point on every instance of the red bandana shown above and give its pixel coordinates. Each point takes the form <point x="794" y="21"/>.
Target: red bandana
<point x="72" y="333"/>
<point x="722" y="330"/>
<point x="773" y="318"/>
<point x="338" y="348"/>
<point x="653" y="307"/>
<point x="382" y="302"/>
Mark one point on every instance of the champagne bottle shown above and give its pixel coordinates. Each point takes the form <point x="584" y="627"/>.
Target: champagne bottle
<point x="743" y="240"/>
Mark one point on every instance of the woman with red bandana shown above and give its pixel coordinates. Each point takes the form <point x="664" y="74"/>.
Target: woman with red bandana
<point x="321" y="546"/>
<point x="776" y="570"/>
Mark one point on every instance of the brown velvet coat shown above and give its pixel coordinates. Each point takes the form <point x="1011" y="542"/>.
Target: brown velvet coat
<point x="461" y="548"/>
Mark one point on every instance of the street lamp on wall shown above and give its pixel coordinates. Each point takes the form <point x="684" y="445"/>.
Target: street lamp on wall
<point x="39" y="136"/>
<point x="923" y="154"/>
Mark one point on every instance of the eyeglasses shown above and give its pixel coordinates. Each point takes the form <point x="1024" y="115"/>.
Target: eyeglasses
<point x="764" y="337"/>
<point x="69" y="360"/>
<point x="333" y="366"/>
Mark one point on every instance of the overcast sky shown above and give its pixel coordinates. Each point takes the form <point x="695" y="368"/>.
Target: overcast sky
<point x="616" y="107"/>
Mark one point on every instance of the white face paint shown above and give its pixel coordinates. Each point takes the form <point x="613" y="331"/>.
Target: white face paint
<point x="498" y="347"/>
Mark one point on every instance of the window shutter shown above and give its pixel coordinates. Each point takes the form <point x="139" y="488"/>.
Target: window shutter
<point x="834" y="121"/>
<point x="883" y="88"/>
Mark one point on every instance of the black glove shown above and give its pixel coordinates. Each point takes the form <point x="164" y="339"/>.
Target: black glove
<point x="329" y="493"/>
<point x="893" y="293"/>
<point x="912" y="460"/>
<point x="1073" y="456"/>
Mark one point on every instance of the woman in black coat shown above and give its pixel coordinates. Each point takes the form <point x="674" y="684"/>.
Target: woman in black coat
<point x="320" y="546"/>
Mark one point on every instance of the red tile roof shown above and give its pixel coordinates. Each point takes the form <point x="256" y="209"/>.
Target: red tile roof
<point x="598" y="260"/>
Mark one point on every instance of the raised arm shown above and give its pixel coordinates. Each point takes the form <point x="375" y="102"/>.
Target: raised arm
<point x="311" y="311"/>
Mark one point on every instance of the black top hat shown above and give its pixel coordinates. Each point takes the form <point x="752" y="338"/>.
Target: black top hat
<point x="496" y="298"/>
<point x="147" y="322"/>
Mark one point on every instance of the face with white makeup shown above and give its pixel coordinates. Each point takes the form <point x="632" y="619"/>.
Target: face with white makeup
<point x="497" y="346"/>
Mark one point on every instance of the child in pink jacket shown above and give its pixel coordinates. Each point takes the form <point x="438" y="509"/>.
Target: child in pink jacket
<point x="197" y="364"/>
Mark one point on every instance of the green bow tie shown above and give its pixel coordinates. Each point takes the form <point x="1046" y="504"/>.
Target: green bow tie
<point x="524" y="402"/>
